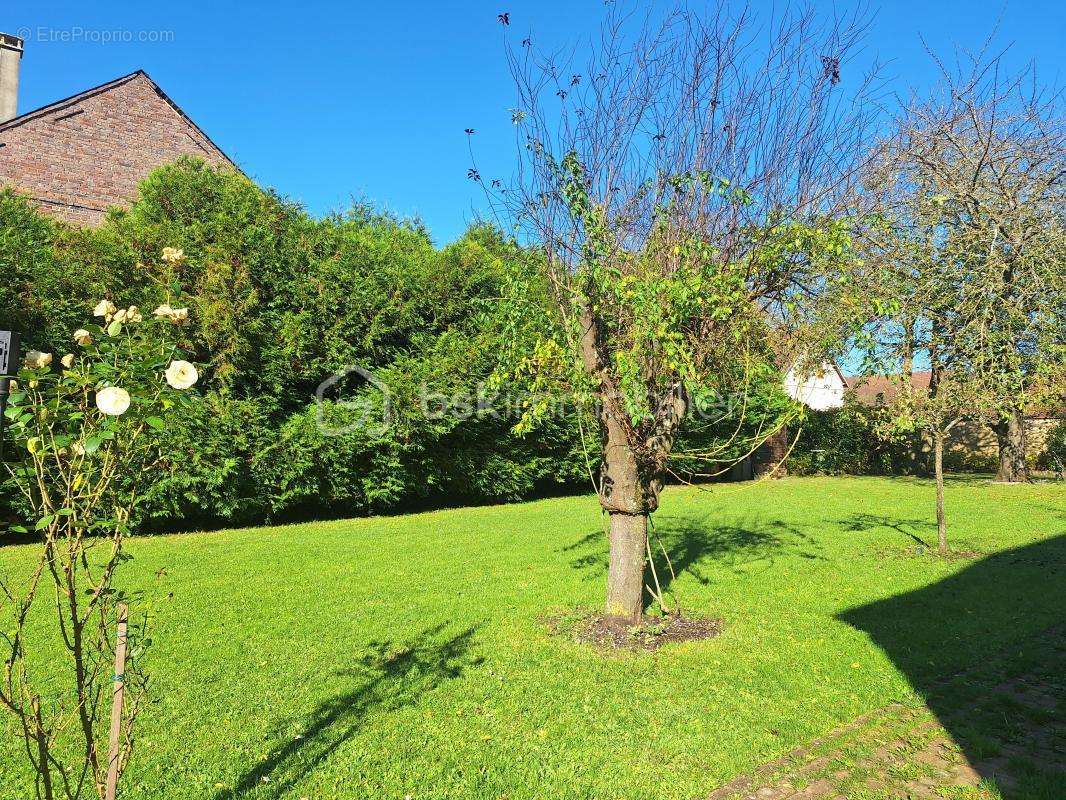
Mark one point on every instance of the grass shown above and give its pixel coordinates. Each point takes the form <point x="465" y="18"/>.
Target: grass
<point x="408" y="656"/>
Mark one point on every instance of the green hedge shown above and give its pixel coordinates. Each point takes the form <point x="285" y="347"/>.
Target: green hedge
<point x="1054" y="456"/>
<point x="280" y="301"/>
<point x="844" y="441"/>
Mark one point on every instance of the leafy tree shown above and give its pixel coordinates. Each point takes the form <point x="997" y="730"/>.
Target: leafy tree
<point x="680" y="209"/>
<point x="984" y="157"/>
<point x="964" y="262"/>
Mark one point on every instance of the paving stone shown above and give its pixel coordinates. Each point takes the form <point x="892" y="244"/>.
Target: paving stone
<point x="910" y="753"/>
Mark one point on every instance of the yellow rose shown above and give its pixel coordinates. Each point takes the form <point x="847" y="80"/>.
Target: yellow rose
<point x="175" y="315"/>
<point x="173" y="255"/>
<point x="83" y="337"/>
<point x="67" y="361"/>
<point x="35" y="359"/>
<point x="133" y="314"/>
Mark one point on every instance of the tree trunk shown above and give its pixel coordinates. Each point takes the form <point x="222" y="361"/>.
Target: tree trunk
<point x="625" y="578"/>
<point x="1012" y="449"/>
<point x="938" y="466"/>
<point x="629" y="484"/>
<point x="628" y="501"/>
<point x="772" y="455"/>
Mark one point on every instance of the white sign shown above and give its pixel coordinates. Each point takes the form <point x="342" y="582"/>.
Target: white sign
<point x="7" y="341"/>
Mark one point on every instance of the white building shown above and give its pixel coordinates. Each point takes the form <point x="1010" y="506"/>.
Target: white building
<point x="821" y="390"/>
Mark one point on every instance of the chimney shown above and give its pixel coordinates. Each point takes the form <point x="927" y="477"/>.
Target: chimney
<point x="10" y="56"/>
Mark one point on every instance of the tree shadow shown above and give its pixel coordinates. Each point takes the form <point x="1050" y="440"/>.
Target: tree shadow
<point x="986" y="649"/>
<point x="691" y="541"/>
<point x="950" y="478"/>
<point x="384" y="677"/>
<point x="908" y="528"/>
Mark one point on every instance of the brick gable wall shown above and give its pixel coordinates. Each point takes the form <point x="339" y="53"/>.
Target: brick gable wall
<point x="81" y="157"/>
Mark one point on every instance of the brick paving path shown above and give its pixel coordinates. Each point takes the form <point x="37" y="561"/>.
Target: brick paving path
<point x="994" y="736"/>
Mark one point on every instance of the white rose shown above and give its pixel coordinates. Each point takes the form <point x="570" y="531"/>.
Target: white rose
<point x="175" y="315"/>
<point x="133" y="314"/>
<point x="105" y="308"/>
<point x="83" y="337"/>
<point x="173" y="255"/>
<point x="182" y="375"/>
<point x="113" y="401"/>
<point x="120" y="315"/>
<point x="67" y="361"/>
<point x="35" y="359"/>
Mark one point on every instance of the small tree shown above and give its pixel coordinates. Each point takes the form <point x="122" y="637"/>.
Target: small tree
<point x="907" y="292"/>
<point x="986" y="154"/>
<point x="679" y="193"/>
<point x="963" y="262"/>
<point x="87" y="435"/>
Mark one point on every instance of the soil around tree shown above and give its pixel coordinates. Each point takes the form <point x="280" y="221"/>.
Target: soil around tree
<point x="613" y="633"/>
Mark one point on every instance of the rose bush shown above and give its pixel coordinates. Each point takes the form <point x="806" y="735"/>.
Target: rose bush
<point x="90" y="431"/>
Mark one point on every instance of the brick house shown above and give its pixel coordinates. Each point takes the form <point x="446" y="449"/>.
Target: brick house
<point x="80" y="156"/>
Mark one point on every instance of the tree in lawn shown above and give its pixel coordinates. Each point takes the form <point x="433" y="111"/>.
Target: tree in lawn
<point x="907" y="291"/>
<point x="988" y="153"/>
<point x="678" y="194"/>
<point x="921" y="324"/>
<point x="938" y="284"/>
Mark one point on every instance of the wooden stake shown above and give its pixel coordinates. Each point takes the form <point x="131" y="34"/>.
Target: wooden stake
<point x="115" y="742"/>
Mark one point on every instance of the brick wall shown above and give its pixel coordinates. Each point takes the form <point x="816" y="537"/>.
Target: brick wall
<point x="78" y="158"/>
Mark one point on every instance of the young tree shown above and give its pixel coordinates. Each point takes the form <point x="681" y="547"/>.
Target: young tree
<point x="988" y="151"/>
<point x="963" y="262"/>
<point x="908" y="293"/>
<point x="680" y="195"/>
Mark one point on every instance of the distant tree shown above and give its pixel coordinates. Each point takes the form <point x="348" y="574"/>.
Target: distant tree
<point x="680" y="195"/>
<point x="964" y="261"/>
<point x="987" y="156"/>
<point x="909" y="292"/>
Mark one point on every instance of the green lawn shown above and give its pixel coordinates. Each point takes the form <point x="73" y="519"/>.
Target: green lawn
<point x="386" y="657"/>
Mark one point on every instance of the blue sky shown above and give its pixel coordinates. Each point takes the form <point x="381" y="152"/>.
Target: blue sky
<point x="325" y="100"/>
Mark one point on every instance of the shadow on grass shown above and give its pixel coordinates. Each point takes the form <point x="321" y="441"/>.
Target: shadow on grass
<point x="986" y="648"/>
<point x="385" y="677"/>
<point x="950" y="478"/>
<point x="692" y="541"/>
<point x="908" y="528"/>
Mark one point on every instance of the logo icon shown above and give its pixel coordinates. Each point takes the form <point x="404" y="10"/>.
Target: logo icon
<point x="352" y="400"/>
